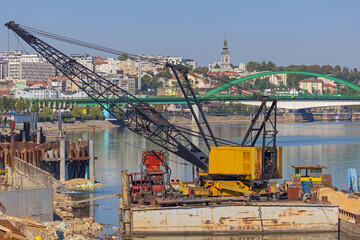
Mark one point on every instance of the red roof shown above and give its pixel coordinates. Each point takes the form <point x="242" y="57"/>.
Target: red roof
<point x="311" y="80"/>
<point x="36" y="83"/>
<point x="99" y="63"/>
<point x="329" y="85"/>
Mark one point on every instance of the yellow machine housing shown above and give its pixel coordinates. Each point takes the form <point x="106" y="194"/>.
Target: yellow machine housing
<point x="244" y="162"/>
<point x="231" y="170"/>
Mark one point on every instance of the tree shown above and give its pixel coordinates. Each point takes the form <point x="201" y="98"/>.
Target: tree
<point x="217" y="66"/>
<point x="95" y="113"/>
<point x="270" y="66"/>
<point x="147" y="82"/>
<point x="125" y="57"/>
<point x="35" y="107"/>
<point x="76" y="112"/>
<point x="202" y="70"/>
<point x="46" y="114"/>
<point x="165" y="74"/>
<point x="225" y="77"/>
<point x="327" y="91"/>
<point x="337" y="69"/>
<point x="253" y="66"/>
<point x="21" y="104"/>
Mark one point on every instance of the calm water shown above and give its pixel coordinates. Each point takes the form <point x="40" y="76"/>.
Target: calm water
<point x="335" y="145"/>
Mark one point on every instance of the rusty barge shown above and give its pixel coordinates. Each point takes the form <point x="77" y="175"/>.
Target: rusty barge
<point x="232" y="217"/>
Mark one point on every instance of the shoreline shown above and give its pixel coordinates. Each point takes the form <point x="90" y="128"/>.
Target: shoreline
<point x="213" y="120"/>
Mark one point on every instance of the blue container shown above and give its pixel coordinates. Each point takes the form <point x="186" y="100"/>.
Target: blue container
<point x="306" y="186"/>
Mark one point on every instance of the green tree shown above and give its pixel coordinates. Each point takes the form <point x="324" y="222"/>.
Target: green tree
<point x="202" y="70"/>
<point x="327" y="91"/>
<point x="270" y="66"/>
<point x="337" y="69"/>
<point x="147" y="82"/>
<point x="225" y="77"/>
<point x="76" y="112"/>
<point x="125" y="57"/>
<point x="46" y="114"/>
<point x="21" y="105"/>
<point x="35" y="107"/>
<point x="253" y="66"/>
<point x="217" y="66"/>
<point x="2" y="106"/>
<point x="95" y="113"/>
<point x="165" y="74"/>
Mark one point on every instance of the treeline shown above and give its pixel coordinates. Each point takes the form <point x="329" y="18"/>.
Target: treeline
<point x="47" y="113"/>
<point x="347" y="74"/>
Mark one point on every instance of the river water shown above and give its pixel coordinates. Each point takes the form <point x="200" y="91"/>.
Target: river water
<point x="335" y="145"/>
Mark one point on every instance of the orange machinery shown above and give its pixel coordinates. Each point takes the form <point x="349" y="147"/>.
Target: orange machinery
<point x="151" y="181"/>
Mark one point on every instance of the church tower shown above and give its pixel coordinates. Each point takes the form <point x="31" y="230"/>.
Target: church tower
<point x="225" y="57"/>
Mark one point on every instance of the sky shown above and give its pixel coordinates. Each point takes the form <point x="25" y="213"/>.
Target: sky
<point x="285" y="32"/>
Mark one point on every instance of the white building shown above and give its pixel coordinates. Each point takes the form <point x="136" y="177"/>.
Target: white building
<point x="109" y="66"/>
<point x="278" y="79"/>
<point x="85" y="60"/>
<point x="37" y="93"/>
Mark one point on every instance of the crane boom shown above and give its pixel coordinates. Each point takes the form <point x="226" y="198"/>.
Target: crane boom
<point x="141" y="119"/>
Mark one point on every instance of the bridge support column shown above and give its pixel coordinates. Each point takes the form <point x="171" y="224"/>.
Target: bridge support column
<point x="91" y="161"/>
<point x="62" y="160"/>
<point x="198" y="115"/>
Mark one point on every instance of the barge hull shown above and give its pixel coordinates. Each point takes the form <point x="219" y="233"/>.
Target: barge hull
<point x="235" y="218"/>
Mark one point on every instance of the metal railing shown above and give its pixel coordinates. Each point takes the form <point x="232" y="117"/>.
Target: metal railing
<point x="27" y="176"/>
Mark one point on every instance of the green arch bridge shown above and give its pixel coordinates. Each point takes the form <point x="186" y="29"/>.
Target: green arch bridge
<point x="213" y="95"/>
<point x="264" y="74"/>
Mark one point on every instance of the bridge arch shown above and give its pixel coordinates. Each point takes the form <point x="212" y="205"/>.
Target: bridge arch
<point x="263" y="74"/>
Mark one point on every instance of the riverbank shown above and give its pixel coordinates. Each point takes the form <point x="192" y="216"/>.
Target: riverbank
<point x="53" y="126"/>
<point x="214" y="120"/>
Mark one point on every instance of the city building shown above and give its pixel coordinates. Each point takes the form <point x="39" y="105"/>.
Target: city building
<point x="190" y="63"/>
<point x="123" y="82"/>
<point x="213" y="65"/>
<point x="330" y="87"/>
<point x="37" y="92"/>
<point x="3" y="68"/>
<point x="32" y="68"/>
<point x="127" y="67"/>
<point x="312" y="85"/>
<point x="85" y="60"/>
<point x="5" y="87"/>
<point x="63" y="84"/>
<point x="278" y="79"/>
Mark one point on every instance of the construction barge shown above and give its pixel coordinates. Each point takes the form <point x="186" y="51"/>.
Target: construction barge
<point x="187" y="209"/>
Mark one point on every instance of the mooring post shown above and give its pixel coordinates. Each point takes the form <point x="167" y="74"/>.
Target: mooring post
<point x="91" y="161"/>
<point x="125" y="193"/>
<point x="38" y="136"/>
<point x="121" y="222"/>
<point x="62" y="160"/>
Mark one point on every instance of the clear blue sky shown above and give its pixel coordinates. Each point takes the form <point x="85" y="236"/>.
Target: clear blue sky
<point x="283" y="31"/>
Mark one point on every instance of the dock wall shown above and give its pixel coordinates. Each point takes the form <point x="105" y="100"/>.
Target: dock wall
<point x="36" y="203"/>
<point x="29" y="192"/>
<point x="235" y="218"/>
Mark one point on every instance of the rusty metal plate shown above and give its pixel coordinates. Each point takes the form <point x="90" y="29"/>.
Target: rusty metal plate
<point x="236" y="218"/>
<point x="293" y="193"/>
